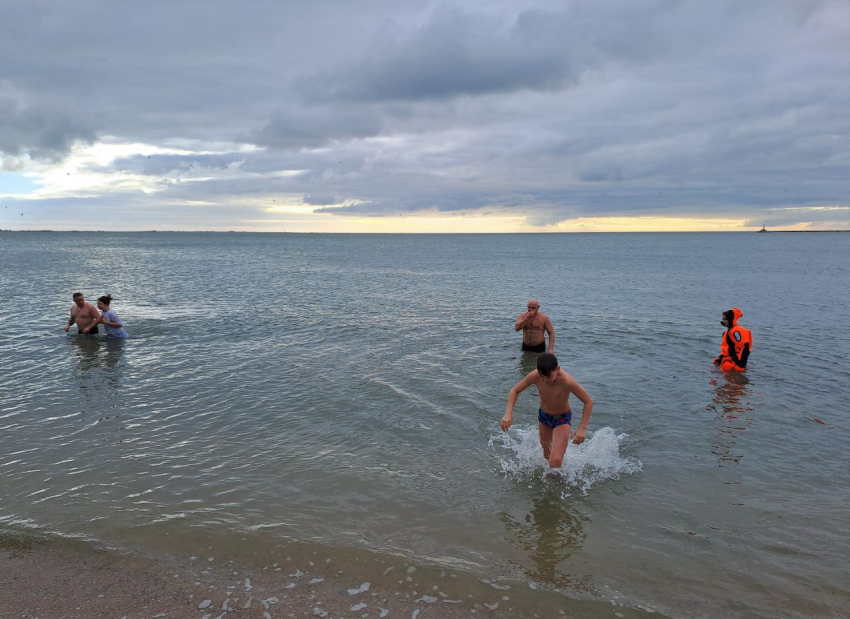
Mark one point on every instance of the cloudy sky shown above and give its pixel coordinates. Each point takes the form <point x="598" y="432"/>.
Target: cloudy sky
<point x="388" y="115"/>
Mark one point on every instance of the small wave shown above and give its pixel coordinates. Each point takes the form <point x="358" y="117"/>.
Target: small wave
<point x="585" y="465"/>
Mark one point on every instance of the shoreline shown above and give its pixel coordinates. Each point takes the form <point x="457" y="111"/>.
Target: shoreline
<point x="44" y="578"/>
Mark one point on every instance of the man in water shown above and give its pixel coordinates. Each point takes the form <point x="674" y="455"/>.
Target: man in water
<point x="555" y="414"/>
<point x="534" y="325"/>
<point x="85" y="315"/>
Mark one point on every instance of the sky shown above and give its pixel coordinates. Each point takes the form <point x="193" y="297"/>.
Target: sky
<point x="397" y="116"/>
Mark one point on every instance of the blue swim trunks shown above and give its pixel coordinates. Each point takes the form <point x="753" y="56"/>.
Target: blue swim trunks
<point x="553" y="421"/>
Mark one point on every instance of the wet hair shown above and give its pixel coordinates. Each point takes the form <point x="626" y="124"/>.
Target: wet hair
<point x="106" y="299"/>
<point x="76" y="294"/>
<point x="547" y="363"/>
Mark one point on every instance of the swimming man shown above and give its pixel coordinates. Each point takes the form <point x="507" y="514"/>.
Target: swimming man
<point x="555" y="414"/>
<point x="85" y="315"/>
<point x="534" y="325"/>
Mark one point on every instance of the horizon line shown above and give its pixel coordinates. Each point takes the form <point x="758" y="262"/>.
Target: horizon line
<point x="753" y="231"/>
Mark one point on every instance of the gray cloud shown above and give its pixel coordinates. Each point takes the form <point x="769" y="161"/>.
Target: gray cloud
<point x="549" y="110"/>
<point x="312" y="127"/>
<point x="40" y="134"/>
<point x="319" y="200"/>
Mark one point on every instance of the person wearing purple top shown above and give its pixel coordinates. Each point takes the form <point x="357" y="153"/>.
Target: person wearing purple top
<point x="109" y="318"/>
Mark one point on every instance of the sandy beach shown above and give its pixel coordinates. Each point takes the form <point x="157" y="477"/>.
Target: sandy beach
<point x="52" y="579"/>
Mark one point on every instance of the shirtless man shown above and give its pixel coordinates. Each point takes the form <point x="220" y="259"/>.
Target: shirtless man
<point x="533" y="325"/>
<point x="554" y="415"/>
<point x="85" y="315"/>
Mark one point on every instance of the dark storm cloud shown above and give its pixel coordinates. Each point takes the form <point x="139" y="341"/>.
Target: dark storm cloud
<point x="40" y="132"/>
<point x="311" y="127"/>
<point x="462" y="52"/>
<point x="319" y="200"/>
<point x="455" y="53"/>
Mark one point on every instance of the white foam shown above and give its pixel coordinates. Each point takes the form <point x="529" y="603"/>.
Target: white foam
<point x="361" y="589"/>
<point x="428" y="599"/>
<point x="585" y="465"/>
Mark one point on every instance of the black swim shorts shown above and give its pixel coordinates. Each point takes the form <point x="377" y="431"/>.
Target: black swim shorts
<point x="541" y="347"/>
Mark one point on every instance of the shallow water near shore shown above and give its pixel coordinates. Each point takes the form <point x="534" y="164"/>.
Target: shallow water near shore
<point x="342" y="394"/>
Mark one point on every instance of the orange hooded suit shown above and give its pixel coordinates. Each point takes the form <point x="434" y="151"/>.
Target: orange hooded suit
<point x="736" y="344"/>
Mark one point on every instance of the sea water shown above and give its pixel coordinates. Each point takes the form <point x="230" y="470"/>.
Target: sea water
<point x="343" y="392"/>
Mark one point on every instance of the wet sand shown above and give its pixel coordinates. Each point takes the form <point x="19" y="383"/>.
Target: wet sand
<point x="57" y="579"/>
<point x="47" y="581"/>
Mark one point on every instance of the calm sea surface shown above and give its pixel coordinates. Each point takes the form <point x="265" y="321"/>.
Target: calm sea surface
<point x="345" y="392"/>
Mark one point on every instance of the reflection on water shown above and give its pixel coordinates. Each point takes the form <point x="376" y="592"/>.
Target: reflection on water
<point x="549" y="534"/>
<point x="527" y="362"/>
<point x="99" y="360"/>
<point x="734" y="415"/>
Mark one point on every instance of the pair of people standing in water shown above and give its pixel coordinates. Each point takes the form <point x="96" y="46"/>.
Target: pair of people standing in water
<point x="554" y="415"/>
<point x="85" y="316"/>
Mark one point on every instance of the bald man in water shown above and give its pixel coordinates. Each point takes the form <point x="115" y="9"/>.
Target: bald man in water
<point x="534" y="326"/>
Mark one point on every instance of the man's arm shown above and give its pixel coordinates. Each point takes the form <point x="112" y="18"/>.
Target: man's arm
<point x="521" y="386"/>
<point x="586" y="411"/>
<point x="70" y="322"/>
<point x="522" y="320"/>
<point x="551" y="331"/>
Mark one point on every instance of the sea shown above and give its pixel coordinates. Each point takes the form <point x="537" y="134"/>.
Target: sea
<point x="340" y="396"/>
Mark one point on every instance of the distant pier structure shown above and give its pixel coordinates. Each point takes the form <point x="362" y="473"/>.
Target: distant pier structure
<point x="763" y="229"/>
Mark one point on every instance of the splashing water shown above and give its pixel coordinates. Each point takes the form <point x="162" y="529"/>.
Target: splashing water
<point x="585" y="465"/>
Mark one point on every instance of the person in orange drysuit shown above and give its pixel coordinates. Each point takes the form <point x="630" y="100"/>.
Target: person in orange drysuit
<point x="736" y="345"/>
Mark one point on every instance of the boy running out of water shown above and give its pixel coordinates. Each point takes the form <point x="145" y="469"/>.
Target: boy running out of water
<point x="555" y="414"/>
